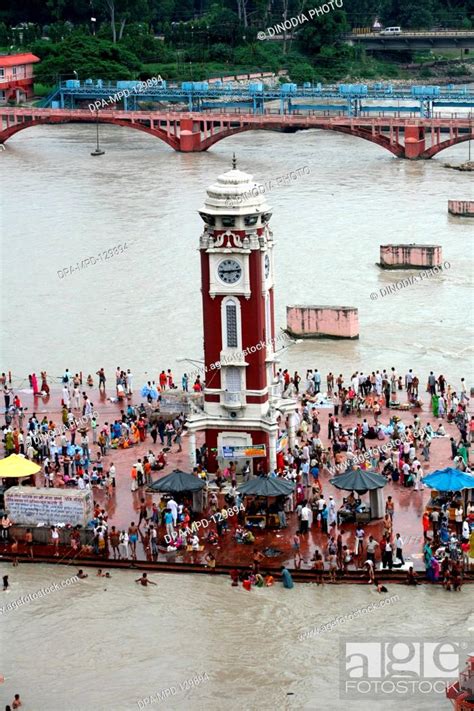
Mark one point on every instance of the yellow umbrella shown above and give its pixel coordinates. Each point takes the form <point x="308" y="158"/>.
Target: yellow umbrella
<point x="17" y="466"/>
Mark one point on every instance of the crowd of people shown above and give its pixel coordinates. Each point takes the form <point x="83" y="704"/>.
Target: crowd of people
<point x="83" y="454"/>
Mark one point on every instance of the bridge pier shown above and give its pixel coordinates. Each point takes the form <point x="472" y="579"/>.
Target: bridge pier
<point x="190" y="140"/>
<point x="414" y="141"/>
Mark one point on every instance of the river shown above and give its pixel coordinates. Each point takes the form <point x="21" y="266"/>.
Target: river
<point x="142" y="308"/>
<point x="106" y="644"/>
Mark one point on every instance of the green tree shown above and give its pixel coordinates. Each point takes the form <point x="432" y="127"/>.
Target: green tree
<point x="323" y="31"/>
<point x="122" y="11"/>
<point x="88" y="57"/>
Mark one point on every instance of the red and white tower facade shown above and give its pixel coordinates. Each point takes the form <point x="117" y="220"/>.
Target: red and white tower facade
<point x="241" y="405"/>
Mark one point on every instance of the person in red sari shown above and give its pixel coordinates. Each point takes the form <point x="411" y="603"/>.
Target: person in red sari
<point x="44" y="383"/>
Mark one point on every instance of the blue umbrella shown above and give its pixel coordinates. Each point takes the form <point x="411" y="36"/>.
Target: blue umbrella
<point x="449" y="479"/>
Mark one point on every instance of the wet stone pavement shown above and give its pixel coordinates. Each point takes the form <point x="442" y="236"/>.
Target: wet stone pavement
<point x="123" y="505"/>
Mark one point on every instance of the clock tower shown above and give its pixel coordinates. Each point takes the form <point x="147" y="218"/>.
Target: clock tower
<point x="237" y="280"/>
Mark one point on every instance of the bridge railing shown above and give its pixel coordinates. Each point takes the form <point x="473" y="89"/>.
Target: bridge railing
<point x="303" y="120"/>
<point x="413" y="33"/>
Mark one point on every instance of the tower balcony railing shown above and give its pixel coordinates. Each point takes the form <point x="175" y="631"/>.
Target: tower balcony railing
<point x="275" y="390"/>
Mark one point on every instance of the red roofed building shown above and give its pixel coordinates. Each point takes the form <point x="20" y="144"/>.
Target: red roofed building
<point x="16" y="77"/>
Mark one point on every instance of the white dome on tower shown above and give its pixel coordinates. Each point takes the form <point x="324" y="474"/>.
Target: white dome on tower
<point x="235" y="192"/>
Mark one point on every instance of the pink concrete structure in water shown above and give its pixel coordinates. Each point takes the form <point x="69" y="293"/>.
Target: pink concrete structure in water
<point x="410" y="256"/>
<point x="322" y="321"/>
<point x="462" y="208"/>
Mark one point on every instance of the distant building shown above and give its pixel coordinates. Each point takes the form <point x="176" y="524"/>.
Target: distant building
<point x="16" y="77"/>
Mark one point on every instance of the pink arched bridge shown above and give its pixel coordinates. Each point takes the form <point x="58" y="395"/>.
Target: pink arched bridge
<point x="193" y="132"/>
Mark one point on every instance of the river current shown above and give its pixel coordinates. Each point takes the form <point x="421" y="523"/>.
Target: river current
<point x="105" y="644"/>
<point x="142" y="307"/>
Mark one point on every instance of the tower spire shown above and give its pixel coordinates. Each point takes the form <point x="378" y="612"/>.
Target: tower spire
<point x="234" y="162"/>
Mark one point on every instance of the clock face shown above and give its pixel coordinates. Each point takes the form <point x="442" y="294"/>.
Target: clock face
<point x="229" y="271"/>
<point x="267" y="266"/>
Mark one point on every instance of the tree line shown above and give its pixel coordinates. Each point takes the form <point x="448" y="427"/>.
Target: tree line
<point x="123" y="39"/>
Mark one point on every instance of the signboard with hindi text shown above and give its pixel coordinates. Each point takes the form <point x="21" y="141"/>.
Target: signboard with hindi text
<point x="250" y="451"/>
<point x="27" y="505"/>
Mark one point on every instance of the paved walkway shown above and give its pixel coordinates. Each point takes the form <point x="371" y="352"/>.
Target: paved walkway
<point x="123" y="505"/>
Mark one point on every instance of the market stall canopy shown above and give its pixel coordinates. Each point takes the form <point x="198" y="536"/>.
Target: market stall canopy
<point x="16" y="466"/>
<point x="359" y="480"/>
<point x="178" y="482"/>
<point x="262" y="486"/>
<point x="449" y="479"/>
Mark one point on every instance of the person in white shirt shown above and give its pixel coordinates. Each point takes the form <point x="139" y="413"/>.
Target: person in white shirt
<point x="85" y="445"/>
<point x="466" y="532"/>
<point x="406" y="473"/>
<point x="378" y="383"/>
<point x="87" y="408"/>
<point x="305" y="514"/>
<point x="305" y="473"/>
<point x="112" y="473"/>
<point x="399" y="548"/>
<point x="76" y="398"/>
<point x="332" y="512"/>
<point x="173" y="506"/>
<point x="129" y="382"/>
<point x="355" y="383"/>
<point x="66" y="397"/>
<point x="94" y="430"/>
<point x="123" y="545"/>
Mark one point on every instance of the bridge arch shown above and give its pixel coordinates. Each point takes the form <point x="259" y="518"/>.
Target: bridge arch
<point x="157" y="133"/>
<point x="438" y="147"/>
<point x="379" y="139"/>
